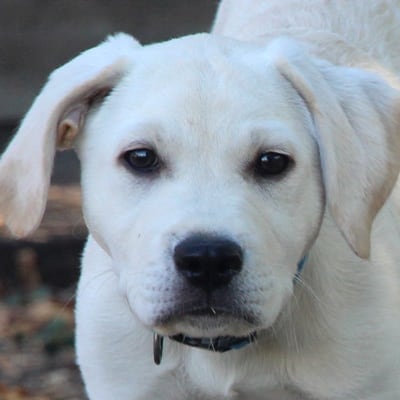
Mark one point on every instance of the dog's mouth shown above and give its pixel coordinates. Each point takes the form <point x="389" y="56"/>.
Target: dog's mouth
<point x="200" y="316"/>
<point x="213" y="319"/>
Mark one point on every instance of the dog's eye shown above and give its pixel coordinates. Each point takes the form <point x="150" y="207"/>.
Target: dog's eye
<point x="142" y="160"/>
<point x="271" y="164"/>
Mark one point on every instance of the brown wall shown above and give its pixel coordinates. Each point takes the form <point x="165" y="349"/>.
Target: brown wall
<point x="38" y="35"/>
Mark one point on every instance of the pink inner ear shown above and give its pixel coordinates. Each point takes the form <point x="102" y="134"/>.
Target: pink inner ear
<point x="73" y="119"/>
<point x="69" y="125"/>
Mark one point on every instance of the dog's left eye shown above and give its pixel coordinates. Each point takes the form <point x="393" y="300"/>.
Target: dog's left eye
<point x="270" y="164"/>
<point x="142" y="160"/>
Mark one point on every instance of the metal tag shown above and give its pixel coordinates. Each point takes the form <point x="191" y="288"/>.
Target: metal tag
<point x="158" y="342"/>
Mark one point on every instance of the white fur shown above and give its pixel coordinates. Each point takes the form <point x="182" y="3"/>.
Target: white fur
<point x="318" y="82"/>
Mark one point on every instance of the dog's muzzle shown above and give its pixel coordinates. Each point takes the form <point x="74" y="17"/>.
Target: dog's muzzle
<point x="210" y="263"/>
<point x="220" y="344"/>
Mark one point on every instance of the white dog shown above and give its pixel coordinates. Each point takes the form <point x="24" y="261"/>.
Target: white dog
<point x="239" y="197"/>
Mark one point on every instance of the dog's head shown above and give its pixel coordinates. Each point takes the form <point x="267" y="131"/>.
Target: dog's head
<point x="207" y="167"/>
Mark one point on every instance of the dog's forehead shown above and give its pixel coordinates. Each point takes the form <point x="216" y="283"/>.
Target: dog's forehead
<point x="201" y="84"/>
<point x="199" y="67"/>
<point x="199" y="51"/>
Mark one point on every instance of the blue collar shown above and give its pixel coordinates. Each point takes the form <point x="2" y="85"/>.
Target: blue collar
<point x="300" y="267"/>
<point x="219" y="344"/>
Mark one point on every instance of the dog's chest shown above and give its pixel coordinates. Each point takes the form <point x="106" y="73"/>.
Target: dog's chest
<point x="280" y="394"/>
<point x="236" y="380"/>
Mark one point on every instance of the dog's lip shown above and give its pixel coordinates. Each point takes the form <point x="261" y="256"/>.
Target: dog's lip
<point x="208" y="312"/>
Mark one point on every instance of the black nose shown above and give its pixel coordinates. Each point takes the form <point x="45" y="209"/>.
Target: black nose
<point x="208" y="262"/>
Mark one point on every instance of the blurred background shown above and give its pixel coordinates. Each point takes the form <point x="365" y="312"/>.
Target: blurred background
<point x="38" y="274"/>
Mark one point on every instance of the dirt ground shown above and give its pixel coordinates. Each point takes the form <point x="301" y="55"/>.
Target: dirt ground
<point x="37" y="359"/>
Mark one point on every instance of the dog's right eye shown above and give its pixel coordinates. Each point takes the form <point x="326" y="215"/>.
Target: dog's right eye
<point x="142" y="160"/>
<point x="271" y="164"/>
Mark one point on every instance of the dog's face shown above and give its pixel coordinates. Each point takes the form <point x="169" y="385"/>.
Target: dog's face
<point x="206" y="170"/>
<point x="215" y="154"/>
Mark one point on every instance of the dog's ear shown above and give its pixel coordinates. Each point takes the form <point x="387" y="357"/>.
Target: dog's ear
<point x="356" y="117"/>
<point x="55" y="118"/>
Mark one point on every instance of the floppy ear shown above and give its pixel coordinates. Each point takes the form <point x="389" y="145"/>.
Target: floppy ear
<point x="356" y="114"/>
<point x="55" y="118"/>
